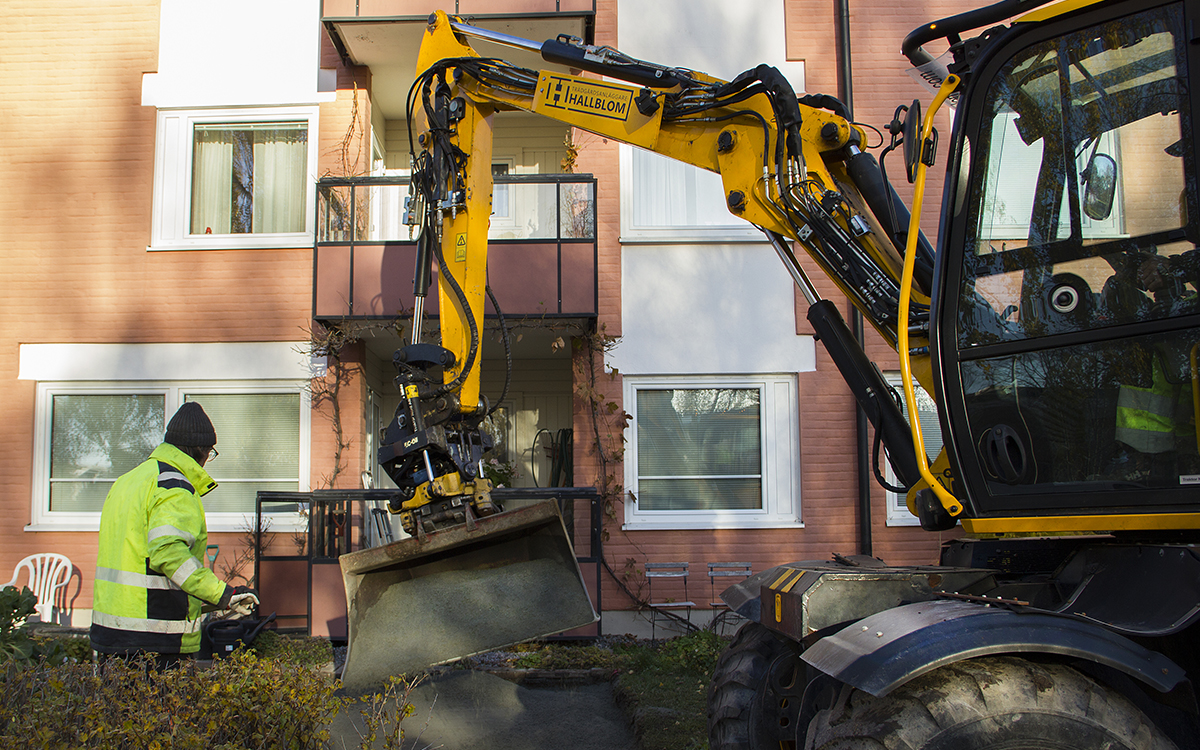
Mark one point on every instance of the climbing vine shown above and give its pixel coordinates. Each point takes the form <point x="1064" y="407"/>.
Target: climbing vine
<point x="606" y="417"/>
<point x="608" y="424"/>
<point x="326" y="391"/>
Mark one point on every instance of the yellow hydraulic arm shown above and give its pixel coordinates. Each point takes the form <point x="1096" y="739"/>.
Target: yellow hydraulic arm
<point x="792" y="167"/>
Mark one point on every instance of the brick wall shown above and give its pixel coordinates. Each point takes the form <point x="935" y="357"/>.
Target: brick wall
<point x="77" y="163"/>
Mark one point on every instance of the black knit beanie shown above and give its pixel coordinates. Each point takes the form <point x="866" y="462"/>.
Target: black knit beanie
<point x="191" y="427"/>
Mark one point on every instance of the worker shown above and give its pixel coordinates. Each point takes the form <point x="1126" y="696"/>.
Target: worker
<point x="1156" y="426"/>
<point x="151" y="586"/>
<point x="1155" y="421"/>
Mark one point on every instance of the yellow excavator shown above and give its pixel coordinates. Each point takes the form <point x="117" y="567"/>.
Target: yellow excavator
<point x="1055" y="327"/>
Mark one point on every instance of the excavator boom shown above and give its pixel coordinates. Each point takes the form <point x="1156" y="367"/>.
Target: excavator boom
<point x="791" y="166"/>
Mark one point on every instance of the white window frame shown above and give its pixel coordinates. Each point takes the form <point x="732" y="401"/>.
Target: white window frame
<point x="508" y="218"/>
<point x="1018" y="228"/>
<point x="43" y="519"/>
<point x="897" y="503"/>
<point x="735" y="230"/>
<point x="780" y="436"/>
<point x="170" y="225"/>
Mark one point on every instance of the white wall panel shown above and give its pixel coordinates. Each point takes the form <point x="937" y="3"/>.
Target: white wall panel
<point x="708" y="309"/>
<point x="232" y="52"/>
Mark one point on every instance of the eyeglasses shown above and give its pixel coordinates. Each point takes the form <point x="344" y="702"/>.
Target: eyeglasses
<point x="212" y="454"/>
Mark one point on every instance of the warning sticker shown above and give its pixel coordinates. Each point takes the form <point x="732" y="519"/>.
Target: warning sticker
<point x="460" y="248"/>
<point x="588" y="97"/>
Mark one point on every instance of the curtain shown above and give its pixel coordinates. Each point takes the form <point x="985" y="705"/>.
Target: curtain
<point x="212" y="163"/>
<point x="281" y="167"/>
<point x="668" y="193"/>
<point x="249" y="178"/>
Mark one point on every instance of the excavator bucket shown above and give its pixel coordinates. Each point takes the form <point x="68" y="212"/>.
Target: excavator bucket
<point x="460" y="591"/>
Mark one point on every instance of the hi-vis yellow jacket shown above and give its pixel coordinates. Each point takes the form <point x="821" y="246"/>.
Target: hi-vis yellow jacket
<point x="150" y="581"/>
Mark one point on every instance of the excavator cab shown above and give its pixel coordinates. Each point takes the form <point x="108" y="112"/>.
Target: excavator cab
<point x="1070" y="284"/>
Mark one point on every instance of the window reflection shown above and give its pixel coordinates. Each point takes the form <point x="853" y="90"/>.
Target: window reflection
<point x="1078" y="221"/>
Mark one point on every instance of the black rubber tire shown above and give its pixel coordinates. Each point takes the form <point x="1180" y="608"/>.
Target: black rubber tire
<point x="753" y="697"/>
<point x="993" y="703"/>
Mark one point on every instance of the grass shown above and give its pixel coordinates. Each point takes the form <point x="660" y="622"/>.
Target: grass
<point x="663" y="686"/>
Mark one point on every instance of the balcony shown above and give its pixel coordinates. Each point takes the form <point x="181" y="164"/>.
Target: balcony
<point x="422" y="8"/>
<point x="384" y="35"/>
<point x="541" y="254"/>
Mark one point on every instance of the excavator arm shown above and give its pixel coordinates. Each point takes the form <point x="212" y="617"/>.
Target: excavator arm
<point x="796" y="168"/>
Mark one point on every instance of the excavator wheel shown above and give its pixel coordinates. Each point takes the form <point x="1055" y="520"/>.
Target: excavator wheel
<point x="993" y="703"/>
<point x="755" y="693"/>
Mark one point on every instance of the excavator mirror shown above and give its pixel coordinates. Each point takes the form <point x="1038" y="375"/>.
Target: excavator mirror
<point x="912" y="139"/>
<point x="1100" y="186"/>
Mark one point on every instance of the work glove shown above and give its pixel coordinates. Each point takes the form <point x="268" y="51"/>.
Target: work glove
<point x="240" y="600"/>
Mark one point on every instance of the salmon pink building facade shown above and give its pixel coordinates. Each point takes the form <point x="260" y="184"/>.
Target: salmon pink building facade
<point x="204" y="202"/>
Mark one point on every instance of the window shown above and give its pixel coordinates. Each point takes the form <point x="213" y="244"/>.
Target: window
<point x="663" y="200"/>
<point x="259" y="439"/>
<point x="711" y="452"/>
<point x="237" y="178"/>
<point x="95" y="438"/>
<point x="1013" y="169"/>
<point x="501" y="205"/>
<point x="1078" y="174"/>
<point x="931" y="434"/>
<point x="249" y="178"/>
<point x="89" y="434"/>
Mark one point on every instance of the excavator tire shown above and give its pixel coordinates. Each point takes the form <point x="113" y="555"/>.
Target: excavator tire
<point x="753" y="700"/>
<point x="993" y="703"/>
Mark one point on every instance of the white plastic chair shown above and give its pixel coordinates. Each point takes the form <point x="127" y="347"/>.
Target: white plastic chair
<point x="48" y="572"/>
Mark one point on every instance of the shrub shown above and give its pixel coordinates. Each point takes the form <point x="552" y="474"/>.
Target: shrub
<point x="665" y="690"/>
<point x="15" y="607"/>
<point x="241" y="702"/>
<point x="19" y="644"/>
<point x="297" y="649"/>
<point x="696" y="651"/>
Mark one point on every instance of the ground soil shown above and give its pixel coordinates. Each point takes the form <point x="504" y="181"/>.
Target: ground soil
<point x="469" y="709"/>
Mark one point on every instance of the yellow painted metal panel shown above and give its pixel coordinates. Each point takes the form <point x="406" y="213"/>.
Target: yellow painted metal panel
<point x="1095" y="524"/>
<point x="1055" y="9"/>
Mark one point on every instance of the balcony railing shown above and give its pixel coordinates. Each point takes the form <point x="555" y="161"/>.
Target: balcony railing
<point x="541" y="255"/>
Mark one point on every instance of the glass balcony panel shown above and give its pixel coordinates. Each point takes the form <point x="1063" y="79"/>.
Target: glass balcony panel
<point x="333" y="213"/>
<point x="577" y="210"/>
<point x="383" y="213"/>
<point x="364" y="252"/>
<point x="523" y="211"/>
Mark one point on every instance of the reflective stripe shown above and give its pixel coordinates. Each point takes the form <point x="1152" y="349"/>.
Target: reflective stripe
<point x="189" y="566"/>
<point x="1140" y="399"/>
<point x="1149" y="419"/>
<point x="170" y="478"/>
<point x="158" y="531"/>
<point x="140" y="580"/>
<point x="1146" y="441"/>
<point x="145" y="626"/>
